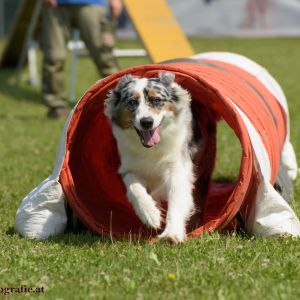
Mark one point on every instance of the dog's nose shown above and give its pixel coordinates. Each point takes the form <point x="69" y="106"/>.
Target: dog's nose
<point x="146" y="123"/>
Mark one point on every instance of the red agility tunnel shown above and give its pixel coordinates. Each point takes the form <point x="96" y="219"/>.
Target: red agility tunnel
<point x="223" y="86"/>
<point x="219" y="89"/>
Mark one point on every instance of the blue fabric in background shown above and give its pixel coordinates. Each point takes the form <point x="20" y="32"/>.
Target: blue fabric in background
<point x="82" y="2"/>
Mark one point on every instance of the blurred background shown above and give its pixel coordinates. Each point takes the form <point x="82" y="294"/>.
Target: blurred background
<point x="208" y="17"/>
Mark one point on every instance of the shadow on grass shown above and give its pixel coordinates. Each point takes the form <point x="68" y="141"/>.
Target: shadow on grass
<point x="11" y="88"/>
<point x="10" y="231"/>
<point x="73" y="238"/>
<point x="87" y="238"/>
<point x="79" y="238"/>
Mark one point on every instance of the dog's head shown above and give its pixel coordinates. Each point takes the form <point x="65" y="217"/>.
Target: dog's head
<point x="144" y="104"/>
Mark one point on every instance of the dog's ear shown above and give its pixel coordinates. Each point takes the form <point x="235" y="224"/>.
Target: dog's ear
<point x="114" y="95"/>
<point x="166" y="78"/>
<point x="123" y="82"/>
<point x="109" y="104"/>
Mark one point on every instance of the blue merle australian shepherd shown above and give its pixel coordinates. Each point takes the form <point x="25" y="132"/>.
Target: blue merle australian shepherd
<point x="152" y="123"/>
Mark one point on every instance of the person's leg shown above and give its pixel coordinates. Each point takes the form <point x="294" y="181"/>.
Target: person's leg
<point x="54" y="39"/>
<point x="250" y="14"/>
<point x="264" y="8"/>
<point x="90" y="22"/>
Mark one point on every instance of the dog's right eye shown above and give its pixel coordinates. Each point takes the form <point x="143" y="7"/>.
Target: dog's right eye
<point x="132" y="104"/>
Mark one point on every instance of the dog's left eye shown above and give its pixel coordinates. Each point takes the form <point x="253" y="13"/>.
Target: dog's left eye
<point x="156" y="101"/>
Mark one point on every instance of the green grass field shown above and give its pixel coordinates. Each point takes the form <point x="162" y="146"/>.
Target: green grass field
<point x="85" y="266"/>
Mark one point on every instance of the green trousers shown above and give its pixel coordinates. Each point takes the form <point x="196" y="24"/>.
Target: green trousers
<point x="56" y="29"/>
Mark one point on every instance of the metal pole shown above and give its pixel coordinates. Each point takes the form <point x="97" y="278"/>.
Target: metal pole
<point x="32" y="64"/>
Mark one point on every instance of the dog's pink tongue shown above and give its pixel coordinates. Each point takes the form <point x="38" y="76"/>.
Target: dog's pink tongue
<point x="150" y="137"/>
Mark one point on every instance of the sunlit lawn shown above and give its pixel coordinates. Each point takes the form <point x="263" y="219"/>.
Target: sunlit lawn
<point x="84" y="266"/>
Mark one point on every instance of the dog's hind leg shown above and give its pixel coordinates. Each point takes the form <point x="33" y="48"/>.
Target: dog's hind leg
<point x="180" y="203"/>
<point x="142" y="202"/>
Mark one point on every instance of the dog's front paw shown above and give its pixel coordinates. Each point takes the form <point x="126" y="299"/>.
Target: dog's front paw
<point x="149" y="213"/>
<point x="174" y="236"/>
<point x="152" y="219"/>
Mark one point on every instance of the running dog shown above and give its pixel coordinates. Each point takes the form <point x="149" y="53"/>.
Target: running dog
<point x="152" y="123"/>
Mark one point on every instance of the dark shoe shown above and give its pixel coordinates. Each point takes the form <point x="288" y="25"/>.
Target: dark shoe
<point x="58" y="113"/>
